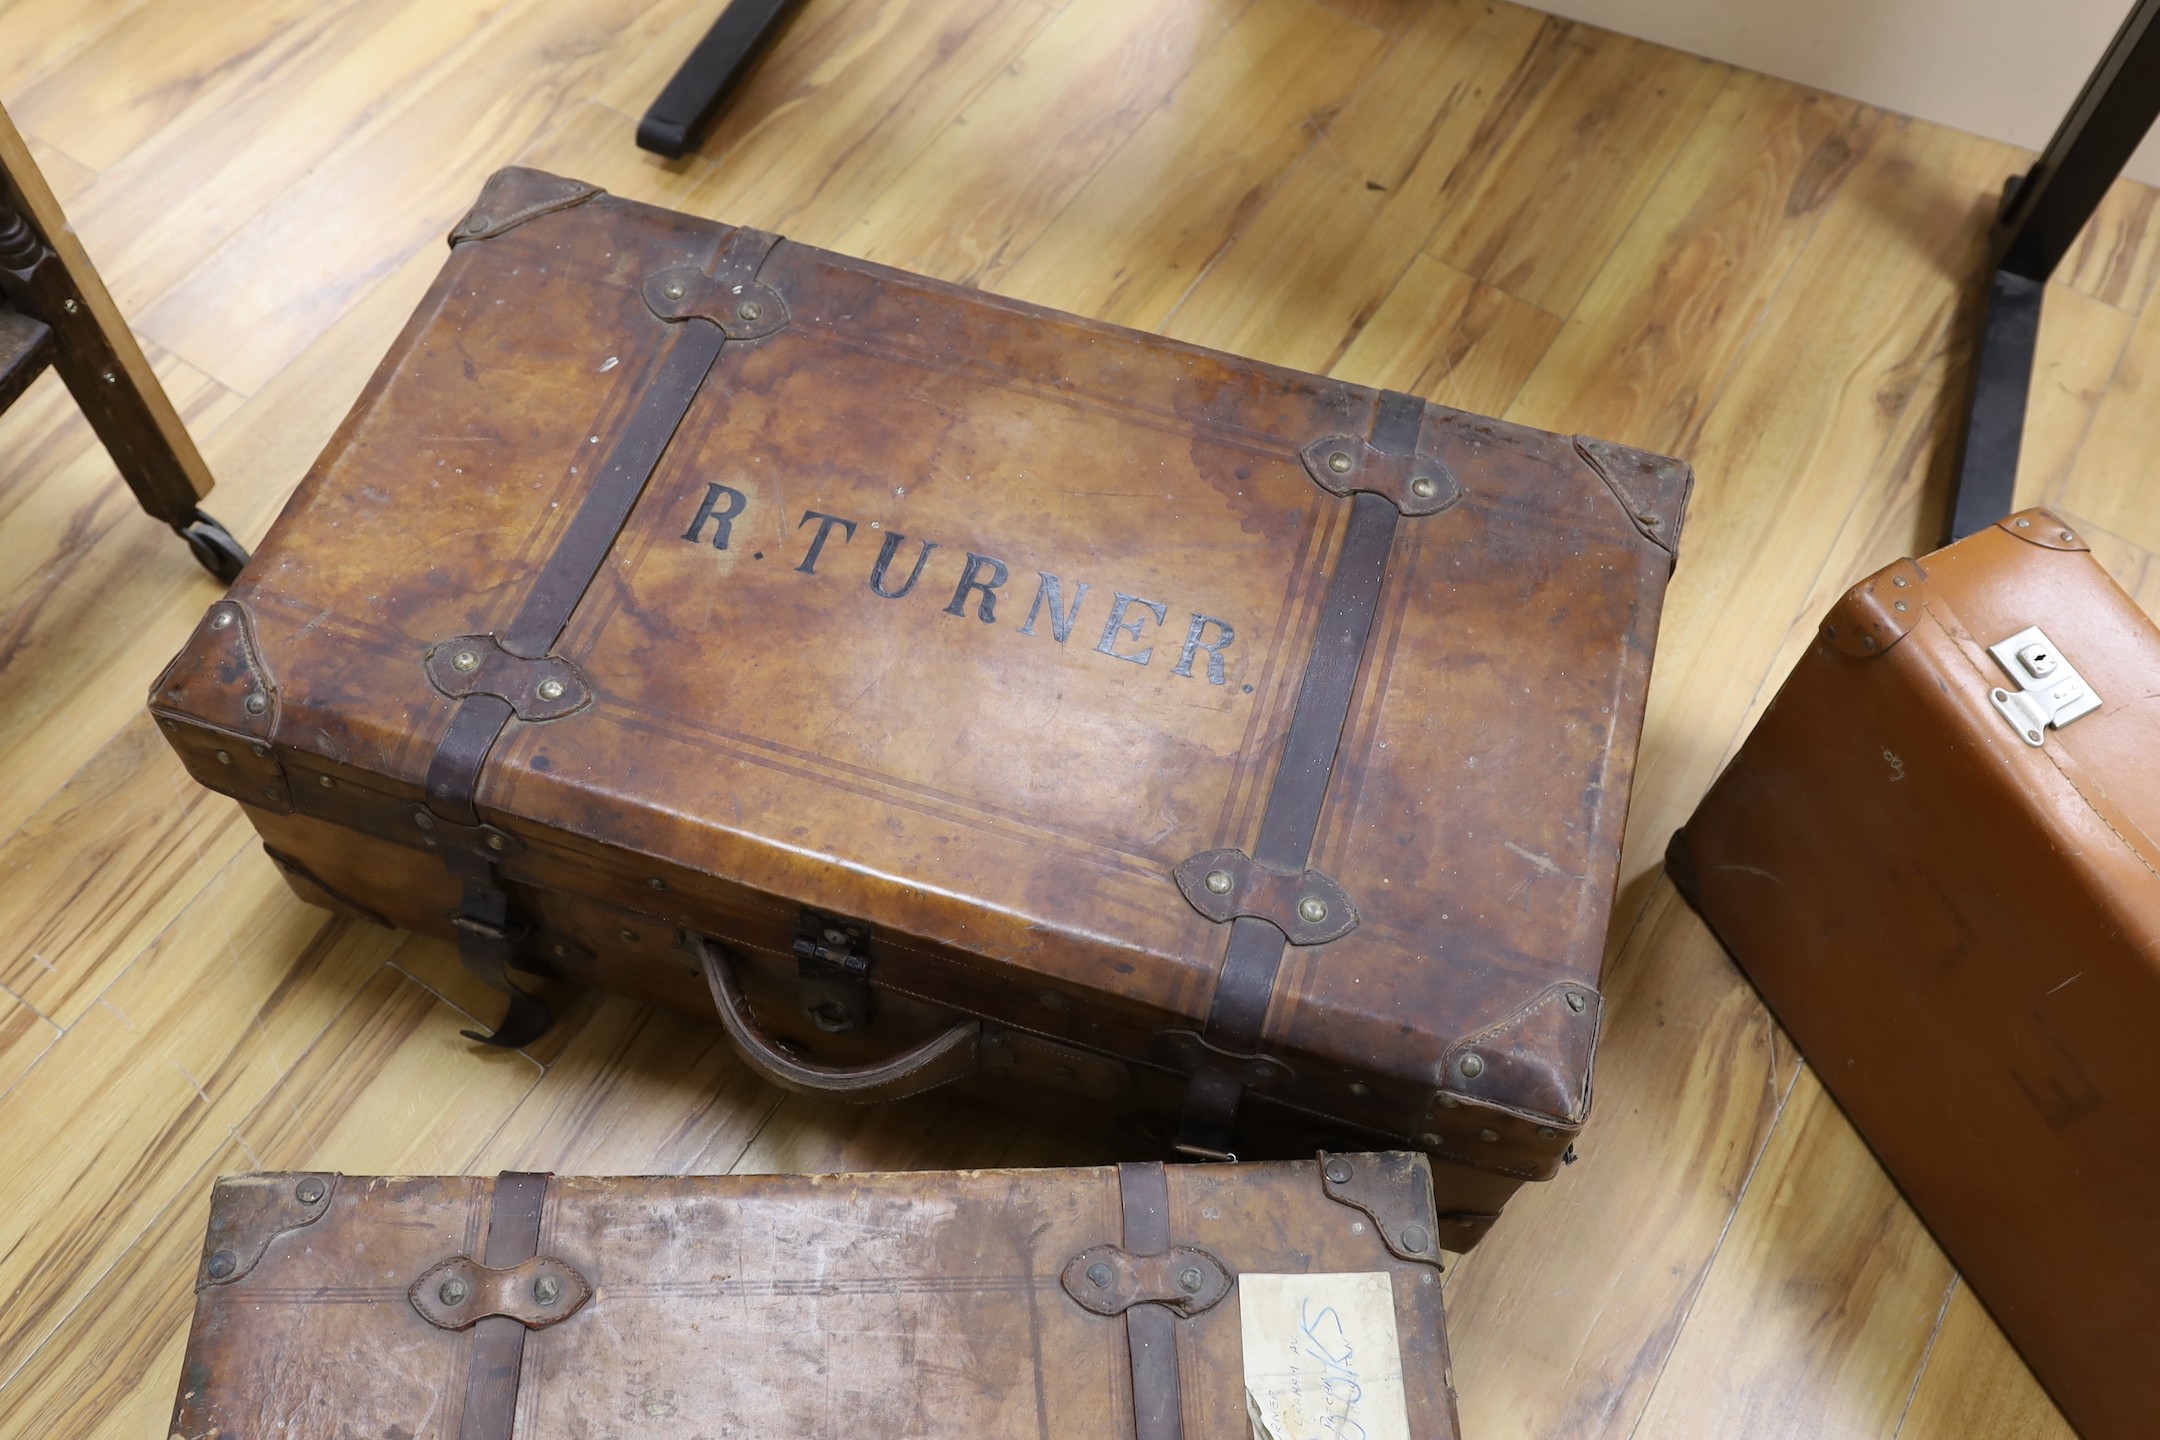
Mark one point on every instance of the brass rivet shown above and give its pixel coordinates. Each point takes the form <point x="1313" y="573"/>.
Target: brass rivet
<point x="496" y="842"/>
<point x="1359" y="1087"/>
<point x="1488" y="1135"/>
<point x="261" y="751"/>
<point x="1100" y="1274"/>
<point x="1899" y="606"/>
<point x="1900" y="581"/>
<point x="1312" y="909"/>
<point x="310" y="1190"/>
<point x="1261" y="1072"/>
<point x="109" y="378"/>
<point x="551" y="689"/>
<point x="657" y="883"/>
<point x="1546" y="1132"/>
<point x="1449" y="1102"/>
<point x="224" y="757"/>
<point x="1219" y="882"/>
<point x="1051" y="1000"/>
<point x="1415" y="1240"/>
<point x="271" y="792"/>
<point x="220" y="620"/>
<point x="750" y="310"/>
<point x="1423" y="488"/>
<point x="326" y="782"/>
<point x="1472" y="1066"/>
<point x="2068" y="536"/>
<point x="1337" y="1171"/>
<point x="465" y="660"/>
<point x="1867" y="642"/>
<point x="1430" y="1140"/>
<point x="626" y="934"/>
<point x="423" y="819"/>
<point x="1190" y="1279"/>
<point x="256" y="703"/>
<point x="1339" y="462"/>
<point x="223" y="1264"/>
<point x="673" y="290"/>
<point x="2024" y="524"/>
<point x="1575" y="1002"/>
<point x="70" y="306"/>
<point x="547" y="1289"/>
<point x="476" y="222"/>
<point x="452" y="1291"/>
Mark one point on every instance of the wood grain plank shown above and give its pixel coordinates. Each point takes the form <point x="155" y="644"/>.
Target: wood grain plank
<point x="102" y="868"/>
<point x="2081" y="342"/>
<point x="2116" y="254"/>
<point x="1558" y="192"/>
<point x="1975" y="1384"/>
<point x="1818" y="415"/>
<point x="1656" y="335"/>
<point x="153" y="1079"/>
<point x="1140" y="231"/>
<point x="66" y="175"/>
<point x="25" y="1036"/>
<point x="863" y="88"/>
<point x="1321" y="254"/>
<point x="41" y="34"/>
<point x="1449" y="338"/>
<point x="1561" y="1321"/>
<point x="994" y="179"/>
<point x="1815" y="1315"/>
<point x="368" y="1098"/>
<point x="2111" y="482"/>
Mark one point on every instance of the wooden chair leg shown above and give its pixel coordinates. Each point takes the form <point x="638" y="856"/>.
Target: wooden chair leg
<point x="48" y="283"/>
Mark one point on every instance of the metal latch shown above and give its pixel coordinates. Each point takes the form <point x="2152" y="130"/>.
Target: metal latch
<point x="2050" y="691"/>
<point x="833" y="965"/>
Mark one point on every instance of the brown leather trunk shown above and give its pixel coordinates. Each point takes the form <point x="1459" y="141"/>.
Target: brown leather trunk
<point x="1143" y="1300"/>
<point x="1935" y="857"/>
<point x="948" y="687"/>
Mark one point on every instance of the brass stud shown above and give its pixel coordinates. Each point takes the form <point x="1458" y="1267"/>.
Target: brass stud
<point x="1472" y="1065"/>
<point x="272" y="793"/>
<point x="1900" y="581"/>
<point x="1430" y="1140"/>
<point x="1415" y="1240"/>
<point x="1219" y="882"/>
<point x="1099" y="1273"/>
<point x="1488" y="1136"/>
<point x="750" y="310"/>
<point x="70" y="306"/>
<point x="452" y="1291"/>
<point x="1900" y="606"/>
<point x="220" y="620"/>
<point x="657" y="883"/>
<point x="1051" y="1000"/>
<point x="496" y="842"/>
<point x="547" y="1289"/>
<point x="1360" y="1088"/>
<point x="423" y="819"/>
<point x="224" y="757"/>
<point x="1546" y="1132"/>
<point x="326" y="782"/>
<point x="256" y="703"/>
<point x="109" y="378"/>
<point x="1423" y="487"/>
<point x="673" y="290"/>
<point x="550" y="689"/>
<point x="626" y="935"/>
<point x="310" y="1190"/>
<point x="2068" y="536"/>
<point x="2024" y="524"/>
<point x="223" y="1264"/>
<point x="465" y="661"/>
<point x="1575" y="1002"/>
<point x="476" y="222"/>
<point x="1449" y="1102"/>
<point x="261" y="751"/>
<point x="836" y="937"/>
<point x="1312" y="909"/>
<point x="1339" y="462"/>
<point x="1338" y="1171"/>
<point x="1190" y="1279"/>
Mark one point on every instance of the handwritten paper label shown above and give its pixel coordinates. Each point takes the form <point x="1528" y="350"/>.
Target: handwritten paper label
<point x="1322" y="1361"/>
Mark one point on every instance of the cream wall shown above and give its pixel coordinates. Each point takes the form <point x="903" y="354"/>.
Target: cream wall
<point x="2003" y="68"/>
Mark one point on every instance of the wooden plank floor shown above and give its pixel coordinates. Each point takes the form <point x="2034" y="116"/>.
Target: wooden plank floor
<point x="1495" y="209"/>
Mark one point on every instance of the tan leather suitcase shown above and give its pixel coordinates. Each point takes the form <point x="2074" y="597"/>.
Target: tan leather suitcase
<point x="1213" y="1302"/>
<point x="1935" y="857"/>
<point x="946" y="687"/>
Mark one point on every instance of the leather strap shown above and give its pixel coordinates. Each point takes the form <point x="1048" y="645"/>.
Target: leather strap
<point x="498" y="1344"/>
<point x="487" y="943"/>
<point x="1150" y="1329"/>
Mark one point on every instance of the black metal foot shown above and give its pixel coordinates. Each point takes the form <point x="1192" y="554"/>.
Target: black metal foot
<point x="214" y="547"/>
<point x="690" y="100"/>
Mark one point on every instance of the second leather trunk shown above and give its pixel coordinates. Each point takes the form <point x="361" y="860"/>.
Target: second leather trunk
<point x="951" y="690"/>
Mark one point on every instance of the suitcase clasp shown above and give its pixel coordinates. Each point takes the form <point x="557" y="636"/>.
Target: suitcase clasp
<point x="833" y="966"/>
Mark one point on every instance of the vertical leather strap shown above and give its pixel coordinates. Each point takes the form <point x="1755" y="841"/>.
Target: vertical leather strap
<point x="487" y="941"/>
<point x="498" y="1341"/>
<point x="1150" y="1329"/>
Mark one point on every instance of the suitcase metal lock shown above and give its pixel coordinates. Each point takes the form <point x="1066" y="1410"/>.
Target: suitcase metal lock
<point x="2050" y="691"/>
<point x="833" y="966"/>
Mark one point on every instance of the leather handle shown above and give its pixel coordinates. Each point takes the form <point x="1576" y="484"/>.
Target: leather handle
<point x="939" y="1060"/>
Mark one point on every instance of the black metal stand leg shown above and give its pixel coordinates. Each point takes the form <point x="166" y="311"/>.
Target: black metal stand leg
<point x="2041" y="218"/>
<point x="687" y="104"/>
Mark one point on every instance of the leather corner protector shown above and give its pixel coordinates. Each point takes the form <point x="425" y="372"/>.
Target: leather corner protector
<point x="1876" y="613"/>
<point x="514" y="195"/>
<point x="2043" y="528"/>
<point x="219" y="677"/>
<point x="460" y="1292"/>
<point x="1310" y="908"/>
<point x="1413" y="484"/>
<point x="1109" y="1280"/>
<point x="1535" y="1062"/>
<point x="1652" y="489"/>
<point x="547" y="688"/>
<point x="744" y="310"/>
<point x="248" y="1212"/>
<point x="1394" y="1190"/>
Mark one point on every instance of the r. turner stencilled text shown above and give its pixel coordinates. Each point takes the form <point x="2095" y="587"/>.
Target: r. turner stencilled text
<point x="901" y="565"/>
